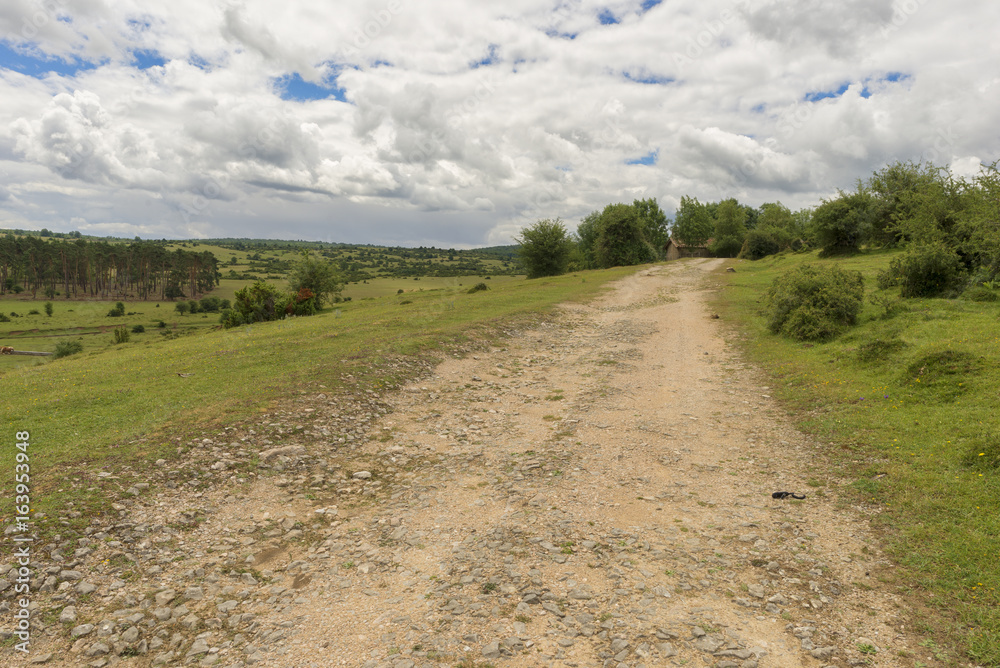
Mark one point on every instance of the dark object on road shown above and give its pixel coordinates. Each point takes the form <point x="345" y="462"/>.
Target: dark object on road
<point x="785" y="495"/>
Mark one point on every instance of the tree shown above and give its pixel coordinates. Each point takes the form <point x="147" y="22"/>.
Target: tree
<point x="587" y="232"/>
<point x="653" y="223"/>
<point x="318" y="276"/>
<point x="183" y="307"/>
<point x="544" y="248"/>
<point x="621" y="240"/>
<point x="730" y="229"/>
<point x="48" y="308"/>
<point x="893" y="188"/>
<point x="841" y="224"/>
<point x="694" y="222"/>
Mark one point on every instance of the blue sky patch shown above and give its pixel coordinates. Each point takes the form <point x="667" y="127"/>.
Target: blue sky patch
<point x="826" y="94"/>
<point x="649" y="4"/>
<point x="649" y="79"/>
<point x="145" y="59"/>
<point x="822" y="95"/>
<point x="491" y="57"/>
<point x="607" y="18"/>
<point x="561" y="35"/>
<point x="293" y="87"/>
<point x="38" y="67"/>
<point x="648" y="159"/>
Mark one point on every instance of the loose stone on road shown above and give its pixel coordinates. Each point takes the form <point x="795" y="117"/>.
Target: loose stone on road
<point x="594" y="492"/>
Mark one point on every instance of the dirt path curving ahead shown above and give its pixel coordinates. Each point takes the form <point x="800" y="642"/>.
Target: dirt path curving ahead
<point x="595" y="493"/>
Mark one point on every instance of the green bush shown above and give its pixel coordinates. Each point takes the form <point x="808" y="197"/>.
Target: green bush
<point x="929" y="270"/>
<point x="118" y="311"/>
<point x="194" y="306"/>
<point x="231" y="318"/>
<point x="4" y="318"/>
<point x="980" y="293"/>
<point x="840" y="224"/>
<point x="621" y="241"/>
<point x="182" y="307"/>
<point x="726" y="247"/>
<point x="48" y="308"/>
<point x="210" y="304"/>
<point x="815" y="303"/>
<point x="67" y="348"/>
<point x="259" y="302"/>
<point x="478" y="287"/>
<point x="121" y="335"/>
<point x="34" y="311"/>
<point x="138" y="329"/>
<point x="759" y="244"/>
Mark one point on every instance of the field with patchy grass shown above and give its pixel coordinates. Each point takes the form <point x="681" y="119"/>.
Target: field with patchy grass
<point x="908" y="402"/>
<point x="123" y="405"/>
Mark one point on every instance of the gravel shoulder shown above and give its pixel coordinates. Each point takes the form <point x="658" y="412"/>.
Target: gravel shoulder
<point x="594" y="492"/>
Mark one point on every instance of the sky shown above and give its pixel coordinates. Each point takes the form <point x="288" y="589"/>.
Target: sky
<point x="456" y="124"/>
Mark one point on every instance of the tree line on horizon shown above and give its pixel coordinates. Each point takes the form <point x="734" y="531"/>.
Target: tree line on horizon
<point x="949" y="225"/>
<point x="101" y="270"/>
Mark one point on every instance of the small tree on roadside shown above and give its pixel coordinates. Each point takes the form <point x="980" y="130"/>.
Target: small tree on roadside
<point x="621" y="241"/>
<point x="544" y="248"/>
<point x="319" y="277"/>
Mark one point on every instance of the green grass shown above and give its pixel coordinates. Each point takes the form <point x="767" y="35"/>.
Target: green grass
<point x="125" y="405"/>
<point x="88" y="322"/>
<point x="907" y="408"/>
<point x="380" y="287"/>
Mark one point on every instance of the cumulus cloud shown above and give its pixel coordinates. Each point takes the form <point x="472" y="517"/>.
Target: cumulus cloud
<point x="450" y="121"/>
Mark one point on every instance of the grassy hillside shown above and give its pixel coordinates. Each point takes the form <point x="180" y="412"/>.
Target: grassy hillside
<point x="907" y="402"/>
<point x="122" y="406"/>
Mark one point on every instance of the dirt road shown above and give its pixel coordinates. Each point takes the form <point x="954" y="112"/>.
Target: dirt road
<point x="596" y="493"/>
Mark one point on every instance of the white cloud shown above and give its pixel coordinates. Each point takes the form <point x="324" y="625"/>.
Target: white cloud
<point x="465" y="121"/>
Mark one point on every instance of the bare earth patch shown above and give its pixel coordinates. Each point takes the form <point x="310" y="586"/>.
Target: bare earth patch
<point x="595" y="493"/>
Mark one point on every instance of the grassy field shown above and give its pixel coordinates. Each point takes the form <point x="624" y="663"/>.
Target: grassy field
<point x="380" y="287"/>
<point x="908" y="404"/>
<point x="123" y="405"/>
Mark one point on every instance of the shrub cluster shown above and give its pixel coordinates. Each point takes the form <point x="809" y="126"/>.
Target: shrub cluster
<point x="759" y="244"/>
<point x="67" y="348"/>
<point x="815" y="303"/>
<point x="925" y="270"/>
<point x="980" y="293"/>
<point x="478" y="287"/>
<point x="122" y="335"/>
<point x="262" y="302"/>
<point x="118" y="311"/>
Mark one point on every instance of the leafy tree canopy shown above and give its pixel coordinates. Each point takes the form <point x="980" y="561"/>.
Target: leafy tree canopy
<point x="544" y="248"/>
